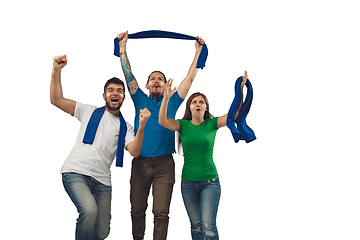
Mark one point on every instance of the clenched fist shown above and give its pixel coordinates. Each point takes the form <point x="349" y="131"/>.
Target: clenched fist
<point x="59" y="62"/>
<point x="144" y="116"/>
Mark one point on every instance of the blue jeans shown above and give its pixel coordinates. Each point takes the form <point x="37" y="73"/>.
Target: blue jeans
<point x="201" y="201"/>
<point x="93" y="202"/>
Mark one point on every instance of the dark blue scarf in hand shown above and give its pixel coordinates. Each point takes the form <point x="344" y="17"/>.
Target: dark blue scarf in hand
<point x="165" y="34"/>
<point x="91" y="131"/>
<point x="238" y="127"/>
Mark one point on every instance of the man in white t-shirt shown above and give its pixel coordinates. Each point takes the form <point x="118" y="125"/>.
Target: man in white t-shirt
<point x="86" y="171"/>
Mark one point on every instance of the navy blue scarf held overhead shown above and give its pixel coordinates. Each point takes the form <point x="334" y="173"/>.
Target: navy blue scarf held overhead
<point x="238" y="127"/>
<point x="165" y="34"/>
<point x="92" y="128"/>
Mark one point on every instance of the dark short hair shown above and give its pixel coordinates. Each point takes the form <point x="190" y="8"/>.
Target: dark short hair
<point x="158" y="72"/>
<point x="114" y="80"/>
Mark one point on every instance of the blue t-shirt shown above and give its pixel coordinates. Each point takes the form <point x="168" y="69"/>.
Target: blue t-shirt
<point x="157" y="140"/>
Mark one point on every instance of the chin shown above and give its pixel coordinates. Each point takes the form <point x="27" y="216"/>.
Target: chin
<point x="156" y="94"/>
<point x="113" y="108"/>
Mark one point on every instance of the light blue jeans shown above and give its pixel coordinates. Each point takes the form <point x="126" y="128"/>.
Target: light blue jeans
<point x="93" y="202"/>
<point x="201" y="201"/>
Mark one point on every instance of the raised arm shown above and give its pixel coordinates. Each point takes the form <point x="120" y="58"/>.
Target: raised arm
<point x="164" y="121"/>
<point x="187" y="82"/>
<point x="125" y="64"/>
<point x="135" y="146"/>
<point x="222" y="119"/>
<point x="56" y="94"/>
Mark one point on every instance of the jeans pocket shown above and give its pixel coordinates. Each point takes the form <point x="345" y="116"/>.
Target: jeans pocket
<point x="214" y="182"/>
<point x="65" y="174"/>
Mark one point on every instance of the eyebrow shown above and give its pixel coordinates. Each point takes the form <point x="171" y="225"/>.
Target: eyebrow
<point x="161" y="78"/>
<point x="111" y="88"/>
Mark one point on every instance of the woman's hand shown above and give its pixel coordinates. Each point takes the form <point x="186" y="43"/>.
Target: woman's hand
<point x="244" y="80"/>
<point x="167" y="89"/>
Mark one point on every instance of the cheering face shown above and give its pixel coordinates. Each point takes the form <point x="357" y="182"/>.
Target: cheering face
<point x="198" y="107"/>
<point x="114" y="96"/>
<point x="156" y="84"/>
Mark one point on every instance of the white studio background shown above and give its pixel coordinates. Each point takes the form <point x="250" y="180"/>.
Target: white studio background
<point x="298" y="180"/>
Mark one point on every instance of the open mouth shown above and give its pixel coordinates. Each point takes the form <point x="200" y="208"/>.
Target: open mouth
<point x="114" y="100"/>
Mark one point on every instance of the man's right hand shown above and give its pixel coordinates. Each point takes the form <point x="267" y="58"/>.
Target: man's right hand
<point x="123" y="37"/>
<point x="59" y="62"/>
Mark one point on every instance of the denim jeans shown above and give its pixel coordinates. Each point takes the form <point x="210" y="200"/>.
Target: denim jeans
<point x="201" y="199"/>
<point x="93" y="202"/>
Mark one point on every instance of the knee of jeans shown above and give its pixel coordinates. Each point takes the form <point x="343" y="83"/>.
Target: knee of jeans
<point x="160" y="216"/>
<point x="196" y="227"/>
<point x="210" y="230"/>
<point x="89" y="214"/>
<point x="104" y="233"/>
<point x="196" y="230"/>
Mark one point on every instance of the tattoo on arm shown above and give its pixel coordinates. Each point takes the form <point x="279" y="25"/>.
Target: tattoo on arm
<point x="130" y="79"/>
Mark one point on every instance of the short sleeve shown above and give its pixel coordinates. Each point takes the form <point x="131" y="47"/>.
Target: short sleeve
<point x="214" y="122"/>
<point x="136" y="97"/>
<point x="181" y="124"/>
<point x="130" y="134"/>
<point x="81" y="109"/>
<point x="176" y="100"/>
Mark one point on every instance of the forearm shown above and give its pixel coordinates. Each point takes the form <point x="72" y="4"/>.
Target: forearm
<point x="56" y="93"/>
<point x="164" y="121"/>
<point x="163" y="111"/>
<point x="242" y="100"/>
<point x="129" y="77"/>
<point x="193" y="70"/>
<point x="136" y="146"/>
<point x="187" y="82"/>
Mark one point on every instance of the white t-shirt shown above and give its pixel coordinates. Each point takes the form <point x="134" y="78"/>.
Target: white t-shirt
<point x="95" y="159"/>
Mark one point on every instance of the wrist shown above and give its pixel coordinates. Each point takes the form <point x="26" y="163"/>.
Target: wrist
<point x="122" y="47"/>
<point x="198" y="50"/>
<point x="141" y="126"/>
<point x="56" y="69"/>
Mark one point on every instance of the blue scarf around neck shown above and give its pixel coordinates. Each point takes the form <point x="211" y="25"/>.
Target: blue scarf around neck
<point x="92" y="128"/>
<point x="165" y="34"/>
<point x="238" y="127"/>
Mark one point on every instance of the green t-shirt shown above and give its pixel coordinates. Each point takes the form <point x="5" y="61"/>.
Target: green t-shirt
<point x="198" y="145"/>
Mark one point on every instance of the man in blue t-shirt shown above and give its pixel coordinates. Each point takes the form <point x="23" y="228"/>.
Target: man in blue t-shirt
<point x="155" y="165"/>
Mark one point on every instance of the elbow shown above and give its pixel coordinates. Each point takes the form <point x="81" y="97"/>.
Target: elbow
<point x="135" y="153"/>
<point x="161" y="121"/>
<point x="53" y="101"/>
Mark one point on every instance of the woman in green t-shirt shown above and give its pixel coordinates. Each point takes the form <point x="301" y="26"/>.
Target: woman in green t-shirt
<point x="200" y="186"/>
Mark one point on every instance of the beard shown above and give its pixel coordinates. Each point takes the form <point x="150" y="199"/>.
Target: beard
<point x="112" y="108"/>
<point x="156" y="94"/>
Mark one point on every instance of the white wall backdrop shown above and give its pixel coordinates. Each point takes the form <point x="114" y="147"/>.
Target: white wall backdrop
<point x="299" y="180"/>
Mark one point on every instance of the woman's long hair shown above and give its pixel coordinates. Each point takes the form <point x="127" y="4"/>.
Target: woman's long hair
<point x="188" y="115"/>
